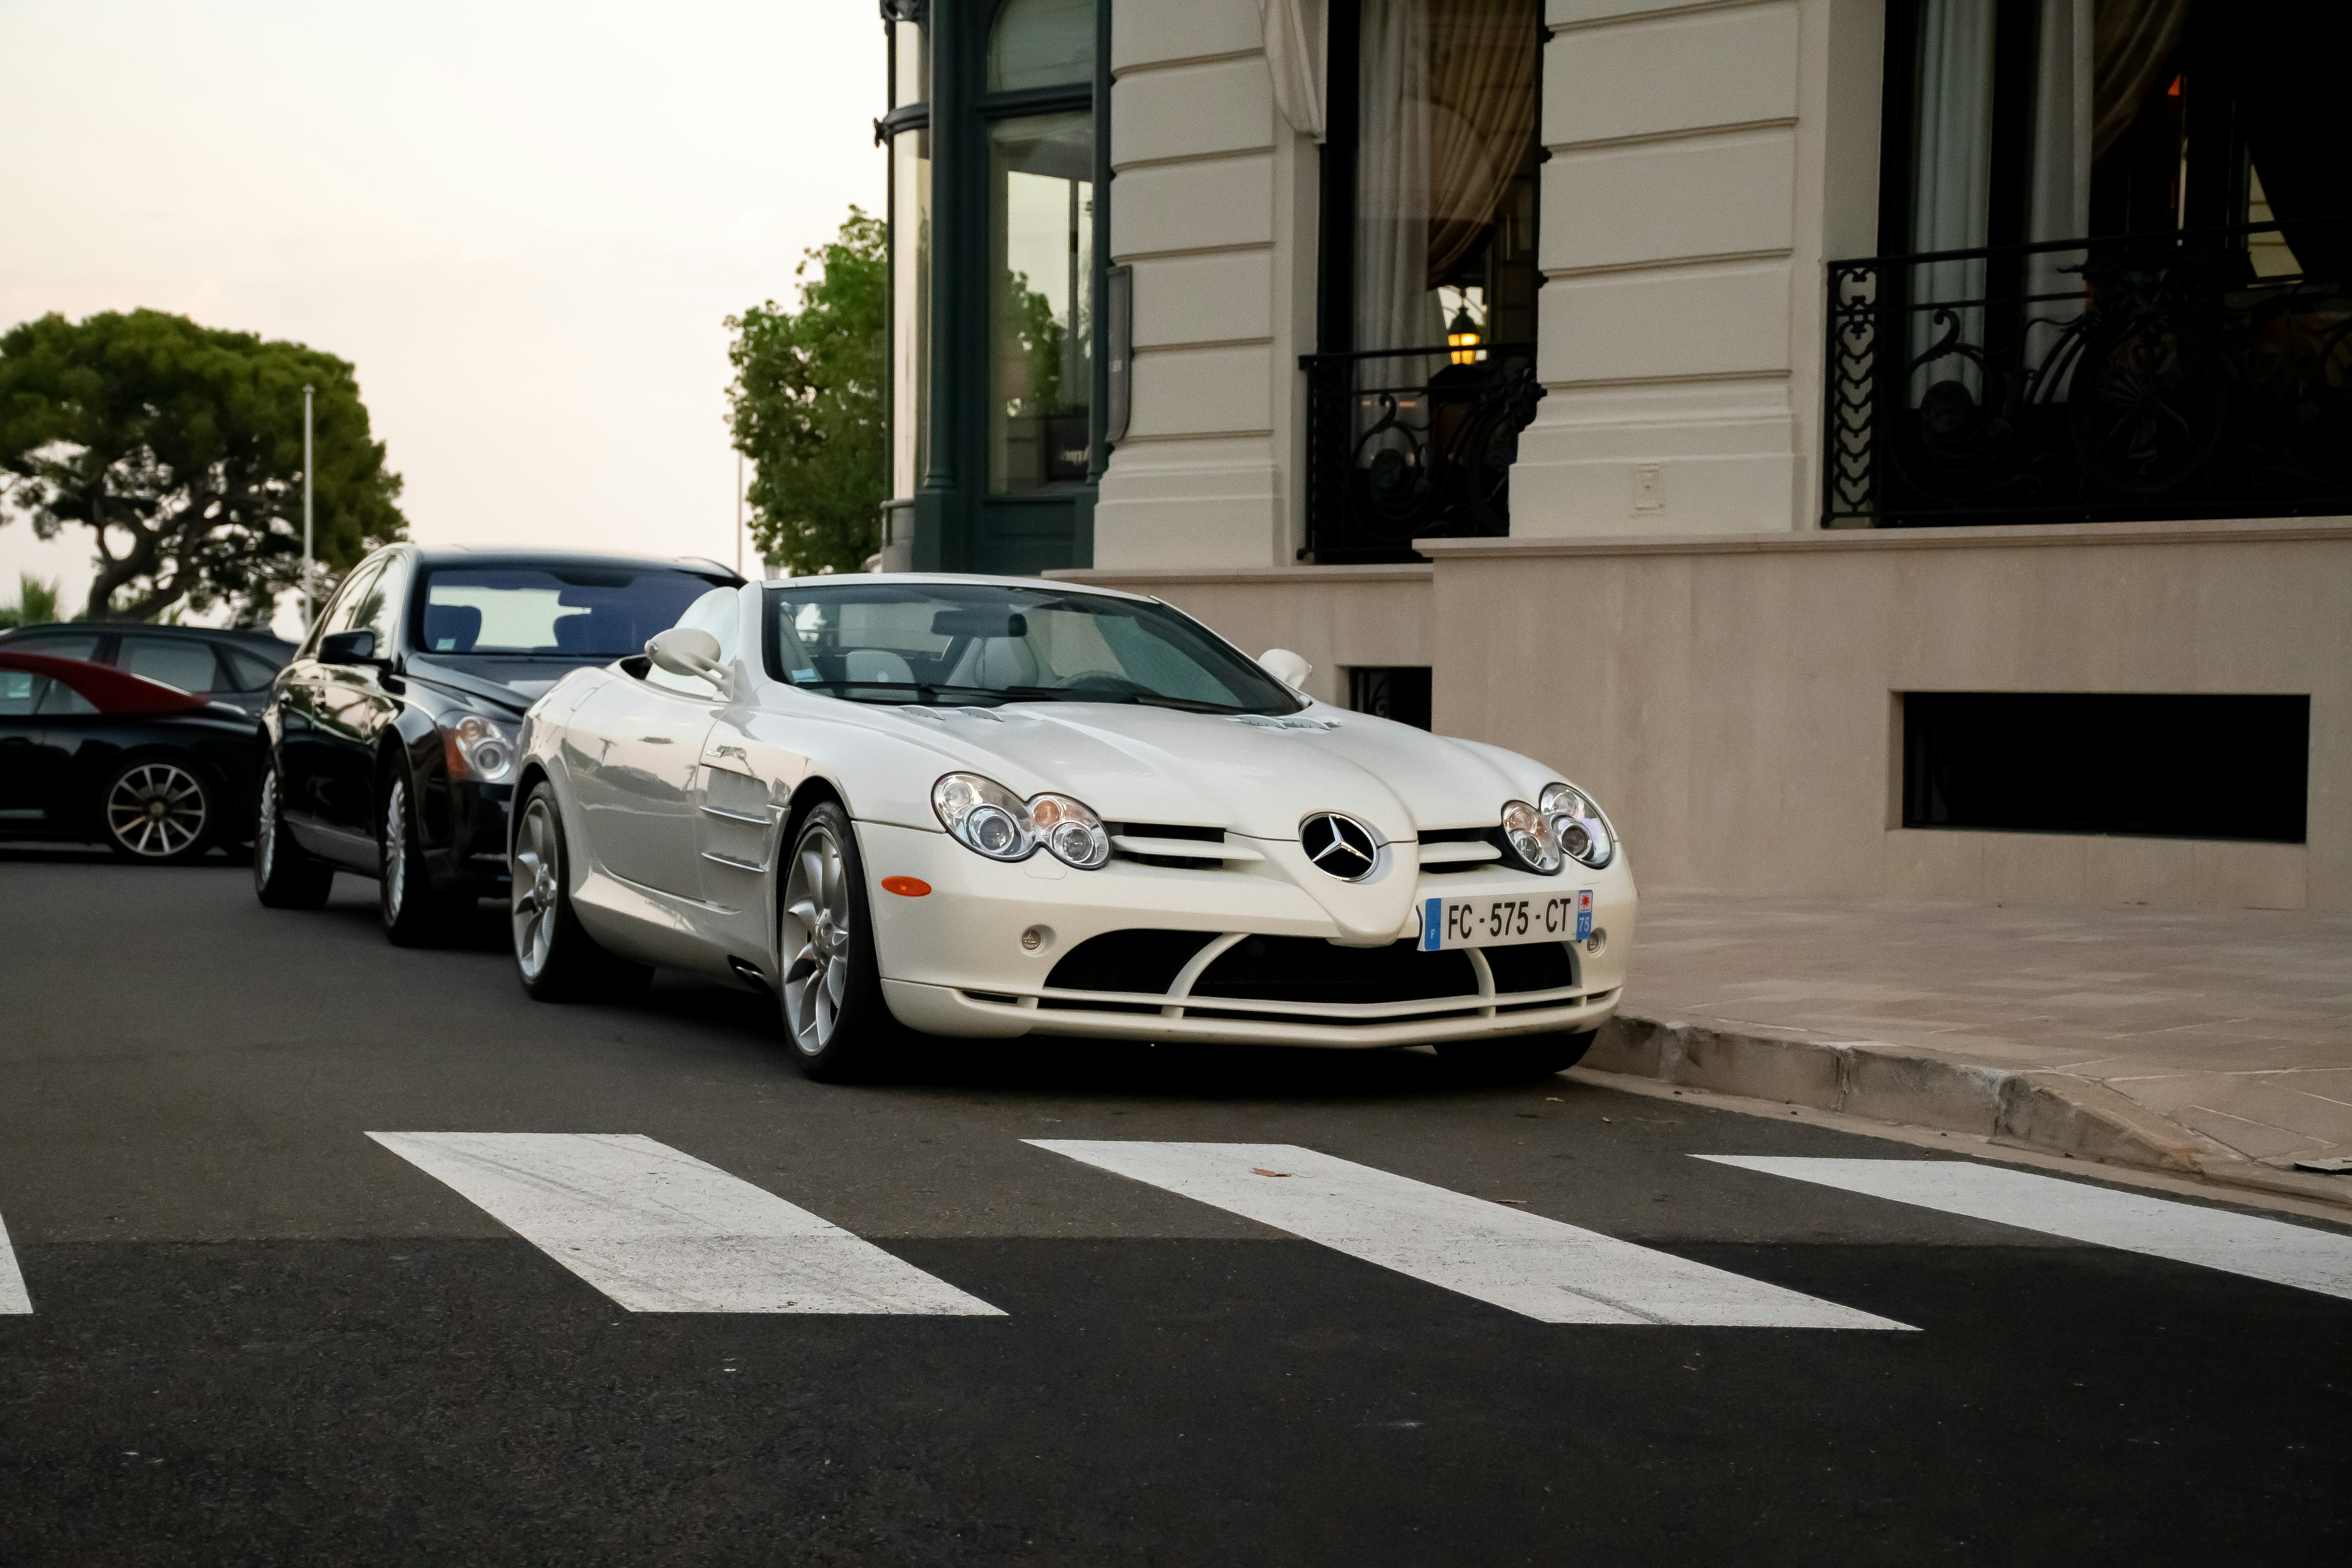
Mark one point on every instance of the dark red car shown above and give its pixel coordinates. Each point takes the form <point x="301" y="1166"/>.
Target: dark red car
<point x="91" y="754"/>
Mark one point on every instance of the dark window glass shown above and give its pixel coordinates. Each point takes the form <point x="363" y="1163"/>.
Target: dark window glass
<point x="58" y="644"/>
<point x="181" y="662"/>
<point x="57" y="698"/>
<point x="1041" y="43"/>
<point x="20" y="692"/>
<point x="1398" y="692"/>
<point x="252" y="673"/>
<point x="2140" y="766"/>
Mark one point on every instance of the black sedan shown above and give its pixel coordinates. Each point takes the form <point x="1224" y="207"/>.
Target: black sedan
<point x="388" y="743"/>
<point x="234" y="666"/>
<point x="91" y="754"/>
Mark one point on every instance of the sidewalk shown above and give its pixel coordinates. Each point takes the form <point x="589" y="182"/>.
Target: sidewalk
<point x="2213" y="1042"/>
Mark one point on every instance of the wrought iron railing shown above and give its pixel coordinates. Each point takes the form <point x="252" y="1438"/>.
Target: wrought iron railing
<point x="2167" y="376"/>
<point x="1402" y="444"/>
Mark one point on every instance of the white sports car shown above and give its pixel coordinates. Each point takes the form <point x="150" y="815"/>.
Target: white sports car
<point x="979" y="806"/>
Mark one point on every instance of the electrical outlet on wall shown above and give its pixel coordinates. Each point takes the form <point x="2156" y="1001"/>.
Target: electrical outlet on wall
<point x="1650" y="488"/>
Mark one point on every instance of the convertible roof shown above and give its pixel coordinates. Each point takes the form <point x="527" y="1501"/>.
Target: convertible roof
<point x="108" y="689"/>
<point x="1035" y="584"/>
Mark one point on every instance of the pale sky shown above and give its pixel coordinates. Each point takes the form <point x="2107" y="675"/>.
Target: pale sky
<point x="521" y="222"/>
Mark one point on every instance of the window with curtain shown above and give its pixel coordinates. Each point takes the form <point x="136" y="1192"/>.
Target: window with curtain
<point x="1444" y="160"/>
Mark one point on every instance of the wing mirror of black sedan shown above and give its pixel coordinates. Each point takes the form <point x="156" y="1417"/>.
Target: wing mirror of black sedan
<point x="683" y="650"/>
<point x="348" y="647"/>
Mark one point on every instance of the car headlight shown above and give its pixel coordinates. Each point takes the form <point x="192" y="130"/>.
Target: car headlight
<point x="1578" y="825"/>
<point x="1528" y="833"/>
<point x="988" y="819"/>
<point x="478" y="748"/>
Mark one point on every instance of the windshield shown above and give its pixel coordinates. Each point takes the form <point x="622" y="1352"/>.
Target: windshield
<point x="544" y="612"/>
<point x="954" y="644"/>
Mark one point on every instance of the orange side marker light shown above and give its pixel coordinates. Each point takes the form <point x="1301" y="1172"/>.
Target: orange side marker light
<point x="906" y="887"/>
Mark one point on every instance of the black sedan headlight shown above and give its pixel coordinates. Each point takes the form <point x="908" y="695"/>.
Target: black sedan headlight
<point x="1583" y="831"/>
<point x="988" y="819"/>
<point x="478" y="748"/>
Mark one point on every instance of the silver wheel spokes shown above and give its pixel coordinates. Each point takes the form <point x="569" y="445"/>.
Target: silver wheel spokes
<point x="395" y="849"/>
<point x="536" y="874"/>
<point x="265" y="832"/>
<point x="155" y="809"/>
<point x="816" y="941"/>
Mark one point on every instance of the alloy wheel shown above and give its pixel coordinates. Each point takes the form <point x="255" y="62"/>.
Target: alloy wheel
<point x="156" y="810"/>
<point x="817" y="938"/>
<point x="538" y="876"/>
<point x="265" y="831"/>
<point x="395" y="849"/>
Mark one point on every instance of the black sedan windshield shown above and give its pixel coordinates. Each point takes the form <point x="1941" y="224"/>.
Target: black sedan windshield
<point x="951" y="644"/>
<point x="567" y="613"/>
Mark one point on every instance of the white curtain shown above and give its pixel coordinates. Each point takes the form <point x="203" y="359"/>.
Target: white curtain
<point x="1294" y="31"/>
<point x="2061" y="196"/>
<point x="1394" y="305"/>
<point x="1951" y="176"/>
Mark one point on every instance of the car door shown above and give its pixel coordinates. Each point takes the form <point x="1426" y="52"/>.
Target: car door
<point x="350" y="708"/>
<point x="638" y="763"/>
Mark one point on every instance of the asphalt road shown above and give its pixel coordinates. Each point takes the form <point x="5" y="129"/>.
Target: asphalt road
<point x="258" y="1335"/>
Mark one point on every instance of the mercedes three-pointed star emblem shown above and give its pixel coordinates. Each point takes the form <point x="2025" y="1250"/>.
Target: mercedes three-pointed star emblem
<point x="1339" y="846"/>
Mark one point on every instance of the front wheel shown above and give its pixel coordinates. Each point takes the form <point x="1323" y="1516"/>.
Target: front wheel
<point x="556" y="960"/>
<point x="285" y="875"/>
<point x="834" y="1013"/>
<point x="1517" y="1060"/>
<point x="158" y="810"/>
<point x="416" y="912"/>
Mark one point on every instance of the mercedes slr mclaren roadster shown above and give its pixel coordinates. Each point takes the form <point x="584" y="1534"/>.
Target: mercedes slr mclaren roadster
<point x="983" y="807"/>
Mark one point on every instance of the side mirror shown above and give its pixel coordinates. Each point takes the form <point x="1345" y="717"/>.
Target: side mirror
<point x="348" y="647"/>
<point x="1286" y="667"/>
<point x="683" y="650"/>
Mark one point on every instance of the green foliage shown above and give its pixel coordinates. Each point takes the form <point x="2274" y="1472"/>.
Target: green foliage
<point x="37" y="602"/>
<point x="808" y="406"/>
<point x="1039" y="338"/>
<point x="182" y="445"/>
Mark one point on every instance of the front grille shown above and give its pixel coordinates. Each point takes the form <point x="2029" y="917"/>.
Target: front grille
<point x="1167" y="830"/>
<point x="1493" y="836"/>
<point x="1309" y="969"/>
<point x="1144" y="961"/>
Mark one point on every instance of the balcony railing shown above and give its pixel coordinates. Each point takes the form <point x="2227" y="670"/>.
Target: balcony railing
<point x="1402" y="444"/>
<point x="2170" y="376"/>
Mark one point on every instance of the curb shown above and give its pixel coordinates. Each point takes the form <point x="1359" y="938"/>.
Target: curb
<point x="2051" y="1112"/>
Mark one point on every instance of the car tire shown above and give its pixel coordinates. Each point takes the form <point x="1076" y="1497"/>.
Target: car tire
<point x="416" y="912"/>
<point x="285" y="875"/>
<point x="159" y="810"/>
<point x="829" y="981"/>
<point x="555" y="958"/>
<point x="1519" y="1060"/>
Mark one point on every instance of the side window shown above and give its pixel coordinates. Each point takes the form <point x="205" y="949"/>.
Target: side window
<point x="59" y="698"/>
<point x="379" y="608"/>
<point x="20" y="692"/>
<point x="721" y="613"/>
<point x="64" y="645"/>
<point x="182" y="662"/>
<point x="343" y="610"/>
<point x="251" y="674"/>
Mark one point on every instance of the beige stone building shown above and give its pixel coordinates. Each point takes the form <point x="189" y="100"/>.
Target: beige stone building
<point x="1879" y="446"/>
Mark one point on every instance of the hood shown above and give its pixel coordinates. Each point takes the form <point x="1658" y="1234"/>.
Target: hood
<point x="508" y="697"/>
<point x="1256" y="777"/>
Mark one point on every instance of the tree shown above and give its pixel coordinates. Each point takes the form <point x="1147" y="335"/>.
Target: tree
<point x="808" y="406"/>
<point x="37" y="602"/>
<point x="183" y="445"/>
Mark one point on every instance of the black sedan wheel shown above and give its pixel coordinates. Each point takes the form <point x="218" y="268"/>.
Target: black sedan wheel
<point x="285" y="876"/>
<point x="416" y="912"/>
<point x="158" y="810"/>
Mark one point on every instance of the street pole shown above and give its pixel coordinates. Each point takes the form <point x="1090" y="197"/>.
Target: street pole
<point x="738" y="515"/>
<point x="307" y="608"/>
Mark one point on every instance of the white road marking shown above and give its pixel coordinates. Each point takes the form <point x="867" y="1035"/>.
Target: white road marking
<point x="660" y="1231"/>
<point x="15" y="1299"/>
<point x="2283" y="1254"/>
<point x="1552" y="1272"/>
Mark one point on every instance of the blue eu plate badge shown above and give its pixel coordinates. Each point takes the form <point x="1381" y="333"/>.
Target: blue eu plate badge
<point x="1583" y="913"/>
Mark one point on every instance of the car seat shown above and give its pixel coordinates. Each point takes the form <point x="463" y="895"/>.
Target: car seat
<point x="452" y="629"/>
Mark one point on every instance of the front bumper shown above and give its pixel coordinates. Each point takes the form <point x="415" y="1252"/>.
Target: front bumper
<point x="953" y="962"/>
<point x="473" y="848"/>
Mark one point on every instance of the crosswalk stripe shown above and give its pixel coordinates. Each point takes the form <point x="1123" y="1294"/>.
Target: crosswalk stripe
<point x="659" y="1231"/>
<point x="2268" y="1249"/>
<point x="1540" y="1268"/>
<point x="15" y="1299"/>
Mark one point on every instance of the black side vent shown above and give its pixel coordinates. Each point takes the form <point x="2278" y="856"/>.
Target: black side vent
<point x="1139" y="961"/>
<point x="1492" y="834"/>
<point x="1168" y="830"/>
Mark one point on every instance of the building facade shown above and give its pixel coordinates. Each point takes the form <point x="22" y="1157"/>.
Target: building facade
<point x="1880" y="446"/>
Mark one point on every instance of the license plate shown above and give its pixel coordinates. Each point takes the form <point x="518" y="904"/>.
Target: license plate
<point x="1505" y="922"/>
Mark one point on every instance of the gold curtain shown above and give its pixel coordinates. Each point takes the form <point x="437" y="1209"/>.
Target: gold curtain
<point x="1483" y="59"/>
<point x="2131" y="43"/>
